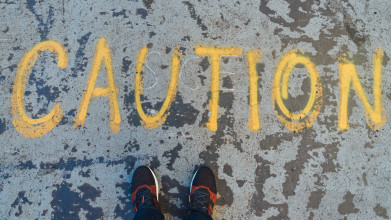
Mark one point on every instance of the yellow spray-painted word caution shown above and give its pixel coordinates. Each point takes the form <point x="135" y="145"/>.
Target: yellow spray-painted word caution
<point x="33" y="128"/>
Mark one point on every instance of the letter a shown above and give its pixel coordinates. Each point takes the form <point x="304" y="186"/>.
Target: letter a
<point x="102" y="54"/>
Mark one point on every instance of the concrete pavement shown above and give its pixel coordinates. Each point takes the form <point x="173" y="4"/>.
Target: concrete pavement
<point x="287" y="101"/>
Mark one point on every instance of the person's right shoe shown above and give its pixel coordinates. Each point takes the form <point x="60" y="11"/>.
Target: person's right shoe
<point x="203" y="192"/>
<point x="144" y="189"/>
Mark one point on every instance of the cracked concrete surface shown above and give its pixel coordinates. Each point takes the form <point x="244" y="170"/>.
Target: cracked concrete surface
<point x="271" y="173"/>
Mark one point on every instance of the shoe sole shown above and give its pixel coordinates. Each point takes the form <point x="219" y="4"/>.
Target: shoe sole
<point x="157" y="183"/>
<point x="192" y="179"/>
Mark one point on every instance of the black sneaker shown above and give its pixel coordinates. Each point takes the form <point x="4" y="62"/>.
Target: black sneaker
<point x="203" y="192"/>
<point x="144" y="189"/>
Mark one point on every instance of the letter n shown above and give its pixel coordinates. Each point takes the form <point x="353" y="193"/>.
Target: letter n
<point x="348" y="76"/>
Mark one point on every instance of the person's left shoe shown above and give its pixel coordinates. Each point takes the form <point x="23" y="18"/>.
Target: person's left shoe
<point x="144" y="189"/>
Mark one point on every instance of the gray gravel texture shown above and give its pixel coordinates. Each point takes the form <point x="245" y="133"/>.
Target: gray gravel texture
<point x="272" y="173"/>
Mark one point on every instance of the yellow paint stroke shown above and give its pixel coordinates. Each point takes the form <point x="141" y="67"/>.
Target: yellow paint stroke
<point x="253" y="57"/>
<point x="280" y="91"/>
<point x="153" y="121"/>
<point x="28" y="127"/>
<point x="102" y="54"/>
<point x="214" y="53"/>
<point x="348" y="76"/>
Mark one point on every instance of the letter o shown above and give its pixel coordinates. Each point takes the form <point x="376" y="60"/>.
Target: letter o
<point x="280" y="91"/>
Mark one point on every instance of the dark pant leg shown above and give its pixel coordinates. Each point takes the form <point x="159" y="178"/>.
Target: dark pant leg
<point x="148" y="214"/>
<point x="194" y="215"/>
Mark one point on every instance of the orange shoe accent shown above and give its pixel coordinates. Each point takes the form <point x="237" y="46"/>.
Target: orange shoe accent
<point x="212" y="197"/>
<point x="150" y="187"/>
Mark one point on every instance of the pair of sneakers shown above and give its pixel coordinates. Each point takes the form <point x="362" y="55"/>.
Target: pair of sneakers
<point x="145" y="190"/>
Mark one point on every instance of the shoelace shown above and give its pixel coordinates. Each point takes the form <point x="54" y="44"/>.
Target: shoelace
<point x="144" y="198"/>
<point x="200" y="200"/>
